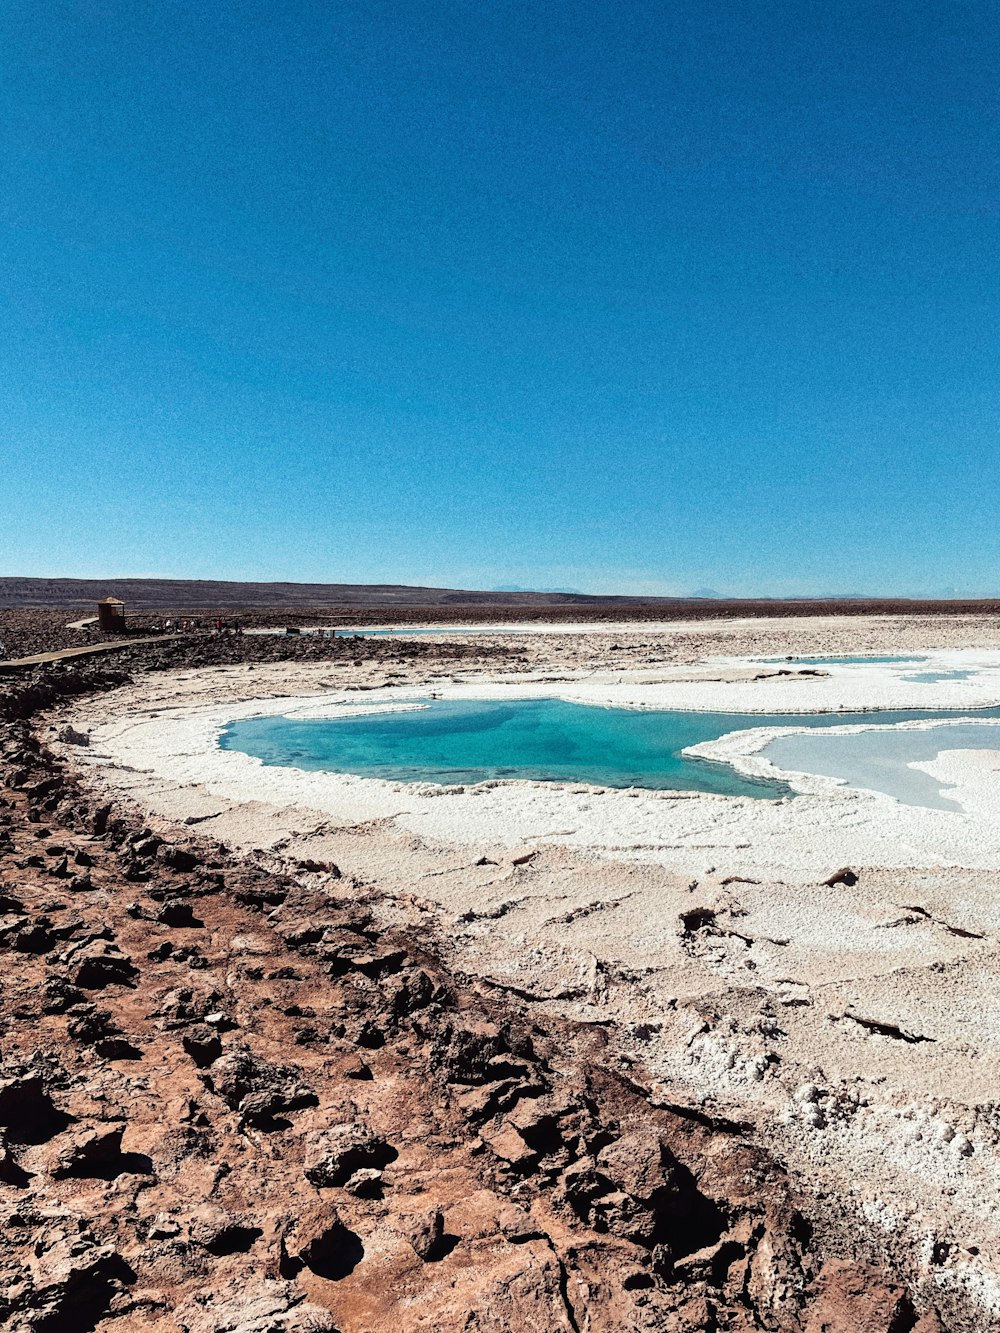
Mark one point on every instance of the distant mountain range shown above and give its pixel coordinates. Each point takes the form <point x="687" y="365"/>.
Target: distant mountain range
<point x="195" y="594"/>
<point x="210" y="594"/>
<point x="514" y="587"/>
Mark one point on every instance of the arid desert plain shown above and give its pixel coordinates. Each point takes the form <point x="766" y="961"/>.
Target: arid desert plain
<point x="817" y="974"/>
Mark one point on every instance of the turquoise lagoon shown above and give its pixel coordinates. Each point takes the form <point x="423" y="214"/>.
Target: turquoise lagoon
<point x="460" y="742"/>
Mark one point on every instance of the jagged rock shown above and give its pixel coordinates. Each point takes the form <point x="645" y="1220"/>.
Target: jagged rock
<point x="413" y="991"/>
<point x="849" y="1297"/>
<point x="259" y="897"/>
<point x="177" y="913"/>
<point x="11" y="928"/>
<point x="318" y="1240"/>
<point x="11" y="1171"/>
<point x="255" y="1307"/>
<point x="146" y="845"/>
<point x="481" y="1053"/>
<point x="582" y="1184"/>
<point x="257" y="1089"/>
<point x="640" y="1163"/>
<point x="319" y="868"/>
<point x="538" y="1122"/>
<point x="511" y="1148"/>
<point x="93" y="1152"/>
<point x="485" y="1101"/>
<point x="37" y="938"/>
<point x="117" y="1047"/>
<point x="365" y="1184"/>
<point x="426" y="1235"/>
<point x="377" y="962"/>
<point x="27" y="1111"/>
<point x="89" y="1024"/>
<point x="178" y="858"/>
<point x="72" y="1281"/>
<point x="37" y="791"/>
<point x="335" y="1154"/>
<point x="70" y="736"/>
<point x="202" y="1043"/>
<point x="43" y="935"/>
<point x="662" y="1203"/>
<point x="845" y="875"/>
<point x="187" y="1005"/>
<point x="101" y="964"/>
<point x="58" y="996"/>
<point x="221" y="1233"/>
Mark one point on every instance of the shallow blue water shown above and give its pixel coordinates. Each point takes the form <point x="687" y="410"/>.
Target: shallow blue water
<point x="935" y="677"/>
<point x="842" y="661"/>
<point x="879" y="760"/>
<point x="447" y="629"/>
<point x="546" y="740"/>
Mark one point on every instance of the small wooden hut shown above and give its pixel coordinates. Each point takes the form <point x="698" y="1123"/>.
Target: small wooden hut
<point x="111" y="614"/>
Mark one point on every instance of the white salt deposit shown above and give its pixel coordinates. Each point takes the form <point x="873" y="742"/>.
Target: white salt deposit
<point x="827" y="822"/>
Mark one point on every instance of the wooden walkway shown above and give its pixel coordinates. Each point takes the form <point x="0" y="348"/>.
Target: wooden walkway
<point x="44" y="659"/>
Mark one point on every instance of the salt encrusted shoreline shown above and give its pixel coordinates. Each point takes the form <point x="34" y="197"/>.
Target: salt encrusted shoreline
<point x="791" y="839"/>
<point x="856" y="1026"/>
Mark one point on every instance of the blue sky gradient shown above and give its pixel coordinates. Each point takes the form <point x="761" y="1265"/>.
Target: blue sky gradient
<point x="639" y="298"/>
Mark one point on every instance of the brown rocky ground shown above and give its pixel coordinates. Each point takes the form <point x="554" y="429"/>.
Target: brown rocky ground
<point x="230" y="1101"/>
<point x="25" y="633"/>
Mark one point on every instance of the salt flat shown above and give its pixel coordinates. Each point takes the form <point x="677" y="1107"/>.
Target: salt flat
<point x="855" y="1025"/>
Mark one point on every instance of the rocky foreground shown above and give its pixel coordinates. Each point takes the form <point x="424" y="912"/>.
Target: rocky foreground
<point x="229" y="1101"/>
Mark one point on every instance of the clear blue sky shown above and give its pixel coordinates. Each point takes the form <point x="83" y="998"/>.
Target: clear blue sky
<point x="644" y="297"/>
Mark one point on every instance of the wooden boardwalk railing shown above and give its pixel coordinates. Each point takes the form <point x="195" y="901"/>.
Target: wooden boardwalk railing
<point x="43" y="659"/>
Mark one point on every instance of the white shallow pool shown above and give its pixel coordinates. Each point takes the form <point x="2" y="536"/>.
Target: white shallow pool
<point x="882" y="759"/>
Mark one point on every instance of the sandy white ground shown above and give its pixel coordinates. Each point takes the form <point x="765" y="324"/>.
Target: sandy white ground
<point x="858" y="1027"/>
